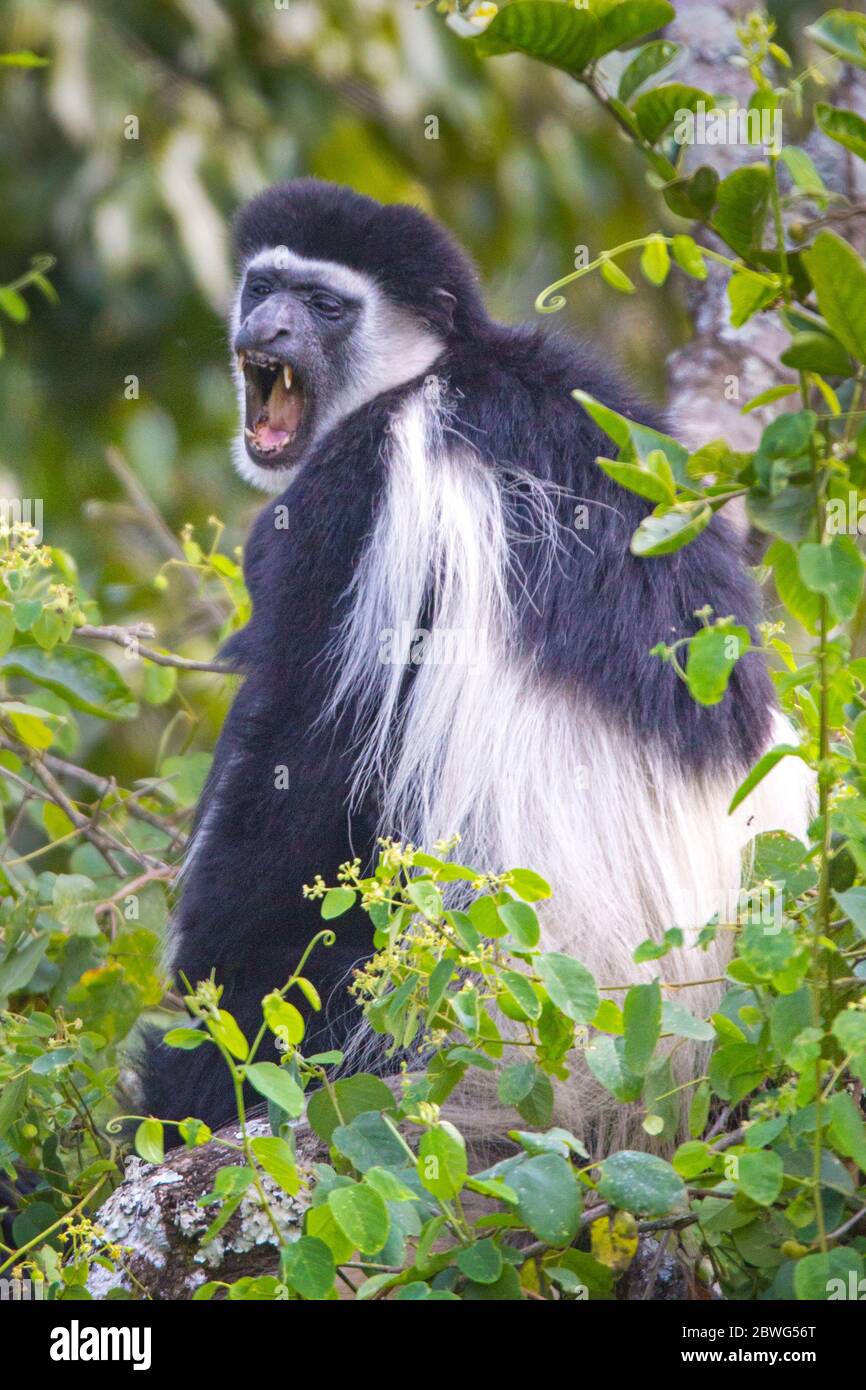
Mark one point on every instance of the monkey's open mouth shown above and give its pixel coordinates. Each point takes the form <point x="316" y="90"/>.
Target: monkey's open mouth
<point x="276" y="408"/>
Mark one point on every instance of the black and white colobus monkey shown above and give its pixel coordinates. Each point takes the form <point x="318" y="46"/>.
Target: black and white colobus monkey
<point x="428" y="461"/>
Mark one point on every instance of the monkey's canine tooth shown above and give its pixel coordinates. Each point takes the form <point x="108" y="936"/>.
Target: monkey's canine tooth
<point x="250" y="434"/>
<point x="287" y="376"/>
<point x="242" y="361"/>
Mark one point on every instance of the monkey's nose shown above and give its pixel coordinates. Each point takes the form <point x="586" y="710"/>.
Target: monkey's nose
<point x="268" y="326"/>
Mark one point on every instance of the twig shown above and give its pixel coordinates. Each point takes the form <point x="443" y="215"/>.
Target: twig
<point x="107" y="844"/>
<point x="128" y="638"/>
<point x="101" y="785"/>
<point x="166" y="541"/>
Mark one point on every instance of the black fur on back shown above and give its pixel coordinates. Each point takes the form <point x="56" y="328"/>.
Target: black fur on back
<point x="590" y="625"/>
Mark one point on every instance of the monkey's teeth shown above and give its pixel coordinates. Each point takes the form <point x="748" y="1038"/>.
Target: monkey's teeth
<point x="287" y="377"/>
<point x="242" y="361"/>
<point x="250" y="434"/>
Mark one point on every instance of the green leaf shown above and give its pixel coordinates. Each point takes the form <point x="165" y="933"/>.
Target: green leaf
<point x="821" y="1277"/>
<point x="307" y="1266"/>
<point x="655" y="261"/>
<point x="735" y="1070"/>
<point x="275" y="1083"/>
<point x="570" y="986"/>
<point x="361" y="1215"/>
<point x="160" y="683"/>
<point x="516" y="1081"/>
<point x="817" y="352"/>
<point x="7" y="628"/>
<point x="790" y="1015"/>
<point x="74" y="898"/>
<point x="846" y="127"/>
<point x="693" y="1158"/>
<point x="801" y="602"/>
<point x="604" y="1057"/>
<point x="742" y="200"/>
<point x="762" y="767"/>
<point x="528" y="885"/>
<point x="83" y="678"/>
<point x="321" y="1224"/>
<point x="441" y="1162"/>
<point x="713" y="654"/>
<point x="389" y="1185"/>
<point x="843" y="33"/>
<point x="29" y="728"/>
<point x="149" y="1141"/>
<point x="521" y="922"/>
<point x="693" y="196"/>
<point x="849" y="1028"/>
<point x="13" y="1098"/>
<point x="748" y="295"/>
<point x="548" y="1198"/>
<point x="657" y="109"/>
<point x="19" y="968"/>
<point x="369" y="1142"/>
<point x="283" y="1018"/>
<point x="557" y="34"/>
<point x="481" y="1262"/>
<point x="57" y="823"/>
<point x="278" y="1161"/>
<point x="337" y="901"/>
<point x="354" y="1095"/>
<point x="187" y="1039"/>
<point x="668" y="531"/>
<point x="834" y="569"/>
<point x="853" y="902"/>
<point x="520" y="989"/>
<point x="788" y="514"/>
<point x="616" y="277"/>
<point x="23" y="58"/>
<point x="802" y="170"/>
<point x="638" y="479"/>
<point x="839" y="277"/>
<point x="699" y="1109"/>
<point x="187" y="774"/>
<point x="677" y="1019"/>
<point x="631" y="435"/>
<point x="760" y="1176"/>
<point x="225" y="1030"/>
<point x="194" y="1133"/>
<point x="847" y="1130"/>
<point x="641" y="1183"/>
<point x="13" y="304"/>
<point x="506" y="1289"/>
<point x="627" y="20"/>
<point x="536" y="1108"/>
<point x="426" y="897"/>
<point x="642" y="1018"/>
<point x="652" y="58"/>
<point x="689" y="256"/>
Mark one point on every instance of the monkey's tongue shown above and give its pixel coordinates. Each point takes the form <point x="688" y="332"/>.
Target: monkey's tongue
<point x="269" y="438"/>
<point x="281" y="417"/>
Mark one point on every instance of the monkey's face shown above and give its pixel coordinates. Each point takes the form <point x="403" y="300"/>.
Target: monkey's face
<point x="313" y="341"/>
<point x="293" y="348"/>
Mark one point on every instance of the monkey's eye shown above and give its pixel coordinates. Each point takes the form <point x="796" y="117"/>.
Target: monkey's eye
<point x="259" y="288"/>
<point x="328" y="305"/>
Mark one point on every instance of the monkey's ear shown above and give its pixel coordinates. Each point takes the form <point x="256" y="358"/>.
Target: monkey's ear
<point x="446" y="303"/>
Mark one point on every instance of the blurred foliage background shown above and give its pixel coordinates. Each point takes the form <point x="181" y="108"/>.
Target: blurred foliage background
<point x="125" y="157"/>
